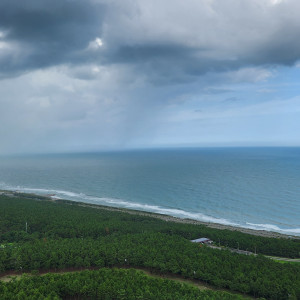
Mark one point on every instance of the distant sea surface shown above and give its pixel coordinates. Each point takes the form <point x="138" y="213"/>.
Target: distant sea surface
<point x="257" y="188"/>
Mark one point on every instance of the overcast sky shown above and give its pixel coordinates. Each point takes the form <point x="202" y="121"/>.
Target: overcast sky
<point x="88" y="75"/>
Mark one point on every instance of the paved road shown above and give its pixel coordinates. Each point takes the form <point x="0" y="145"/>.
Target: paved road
<point x="251" y="253"/>
<point x="284" y="259"/>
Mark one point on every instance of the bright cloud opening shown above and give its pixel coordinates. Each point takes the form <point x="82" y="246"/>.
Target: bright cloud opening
<point x="99" y="42"/>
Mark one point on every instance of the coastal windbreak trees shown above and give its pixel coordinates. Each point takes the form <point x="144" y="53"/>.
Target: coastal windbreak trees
<point x="105" y="284"/>
<point x="158" y="252"/>
<point x="65" y="235"/>
<point x="67" y="219"/>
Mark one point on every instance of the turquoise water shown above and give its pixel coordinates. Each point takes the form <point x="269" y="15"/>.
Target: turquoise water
<point x="250" y="187"/>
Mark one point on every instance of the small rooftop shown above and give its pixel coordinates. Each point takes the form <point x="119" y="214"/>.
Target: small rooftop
<point x="202" y="240"/>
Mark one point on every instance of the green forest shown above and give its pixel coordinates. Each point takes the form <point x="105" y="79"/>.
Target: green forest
<point x="104" y="284"/>
<point x="63" y="234"/>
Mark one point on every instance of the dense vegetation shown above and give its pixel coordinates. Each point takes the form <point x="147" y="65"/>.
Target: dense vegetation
<point x="55" y="220"/>
<point x="61" y="235"/>
<point x="104" y="284"/>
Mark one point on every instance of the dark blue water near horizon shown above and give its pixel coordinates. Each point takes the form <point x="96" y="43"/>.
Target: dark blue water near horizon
<point x="257" y="188"/>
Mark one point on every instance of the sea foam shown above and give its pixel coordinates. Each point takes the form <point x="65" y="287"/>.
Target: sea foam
<point x="270" y="227"/>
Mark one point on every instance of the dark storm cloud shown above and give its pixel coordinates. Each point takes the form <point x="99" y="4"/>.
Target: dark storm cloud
<point x="166" y="43"/>
<point x="182" y="42"/>
<point x="43" y="33"/>
<point x="168" y="60"/>
<point x="283" y="49"/>
<point x="99" y="74"/>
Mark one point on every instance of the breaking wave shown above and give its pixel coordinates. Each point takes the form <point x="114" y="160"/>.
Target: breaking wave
<point x="270" y="227"/>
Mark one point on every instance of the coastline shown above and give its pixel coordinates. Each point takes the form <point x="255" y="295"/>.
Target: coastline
<point x="166" y="218"/>
<point x="263" y="233"/>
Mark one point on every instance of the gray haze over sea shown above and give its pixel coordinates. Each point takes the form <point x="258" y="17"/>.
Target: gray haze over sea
<point x="257" y="188"/>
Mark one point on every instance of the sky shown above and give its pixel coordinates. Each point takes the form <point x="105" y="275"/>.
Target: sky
<point x="119" y="74"/>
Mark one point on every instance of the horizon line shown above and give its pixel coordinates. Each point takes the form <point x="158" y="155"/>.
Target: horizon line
<point x="134" y="149"/>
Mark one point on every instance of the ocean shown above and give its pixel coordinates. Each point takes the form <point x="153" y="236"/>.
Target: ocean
<point x="257" y="188"/>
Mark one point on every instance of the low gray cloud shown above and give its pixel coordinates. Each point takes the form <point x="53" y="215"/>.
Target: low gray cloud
<point x="183" y="42"/>
<point x="41" y="33"/>
<point x="164" y="41"/>
<point x="106" y="74"/>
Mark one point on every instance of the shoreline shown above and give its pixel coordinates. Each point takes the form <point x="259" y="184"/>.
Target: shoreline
<point x="166" y="218"/>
